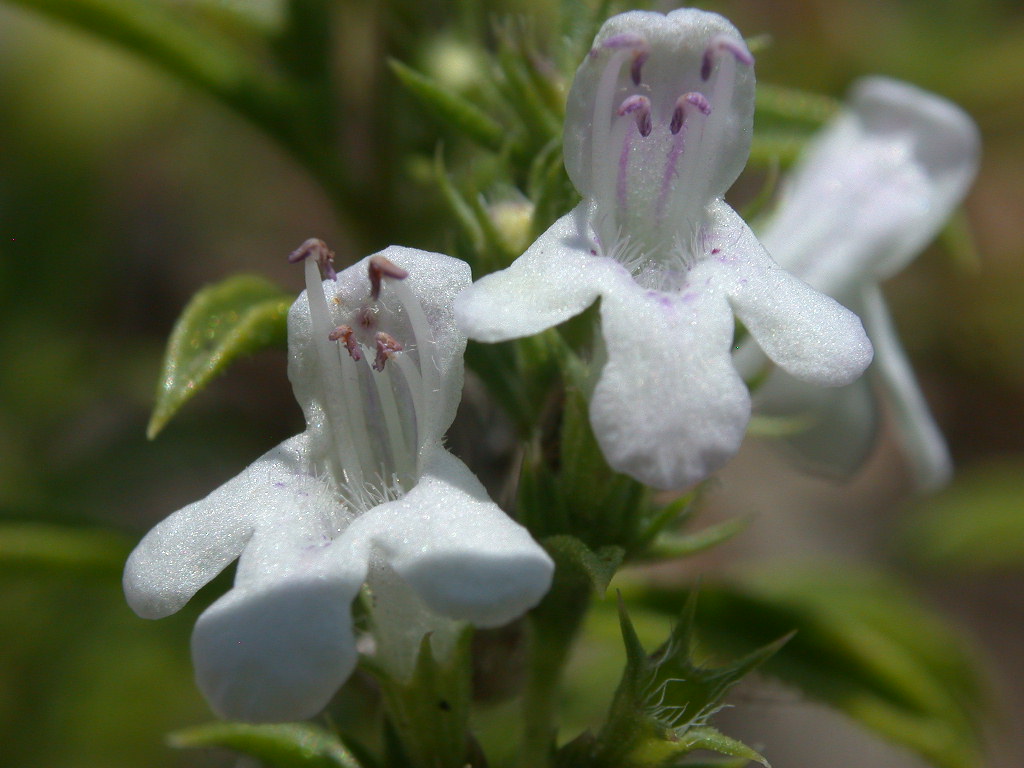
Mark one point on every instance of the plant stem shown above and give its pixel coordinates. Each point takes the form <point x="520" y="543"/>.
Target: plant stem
<point x="553" y="627"/>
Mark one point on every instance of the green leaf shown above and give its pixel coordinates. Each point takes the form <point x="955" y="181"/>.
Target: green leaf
<point x="862" y="644"/>
<point x="977" y="523"/>
<point x="238" y="316"/>
<point x="451" y="108"/>
<point x="35" y="548"/>
<point x="294" y="745"/>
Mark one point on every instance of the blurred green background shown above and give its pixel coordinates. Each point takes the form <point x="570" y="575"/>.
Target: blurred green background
<point x="122" y="192"/>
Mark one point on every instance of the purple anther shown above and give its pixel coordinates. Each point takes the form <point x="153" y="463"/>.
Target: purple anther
<point x="348" y="338"/>
<point x="380" y="267"/>
<point x="676" y="124"/>
<point x="699" y="100"/>
<point x="639" y="59"/>
<point x="721" y="43"/>
<point x="683" y="103"/>
<point x="387" y="346"/>
<point x="640" y="107"/>
<point x="318" y="249"/>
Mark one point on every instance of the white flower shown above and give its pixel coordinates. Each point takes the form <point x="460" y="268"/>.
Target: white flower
<point x="366" y="494"/>
<point x="658" y="127"/>
<point x="867" y="196"/>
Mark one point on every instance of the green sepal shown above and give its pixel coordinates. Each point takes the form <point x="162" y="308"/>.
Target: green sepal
<point x="429" y="713"/>
<point x="451" y="108"/>
<point x="42" y="548"/>
<point x="695" y="687"/>
<point x="235" y="317"/>
<point x="713" y="740"/>
<point x="292" y="745"/>
<point x="862" y="645"/>
<point x="646" y="724"/>
<point x="599" y="567"/>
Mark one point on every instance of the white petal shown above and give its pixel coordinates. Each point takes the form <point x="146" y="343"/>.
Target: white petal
<point x="915" y="428"/>
<point x="669" y="408"/>
<point x="839" y="425"/>
<point x="279" y="650"/>
<point x="279" y="644"/>
<point x="194" y="544"/>
<point x="874" y="188"/>
<point x="677" y="42"/>
<point x="808" y="334"/>
<point x="462" y="555"/>
<point x="557" y="278"/>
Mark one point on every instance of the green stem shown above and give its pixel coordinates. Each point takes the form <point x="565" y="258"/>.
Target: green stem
<point x="553" y="627"/>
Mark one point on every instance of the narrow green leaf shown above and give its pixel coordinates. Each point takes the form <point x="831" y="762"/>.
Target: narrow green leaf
<point x="777" y="101"/>
<point x="35" y="548"/>
<point x="451" y="108"/>
<point x="460" y="209"/>
<point x="975" y="524"/>
<point x="672" y="545"/>
<point x="238" y="316"/>
<point x="294" y="745"/>
<point x="496" y="248"/>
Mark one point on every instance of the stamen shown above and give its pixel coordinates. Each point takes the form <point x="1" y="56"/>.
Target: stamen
<point x="344" y="459"/>
<point x="427" y="394"/>
<point x="323" y="256"/>
<point x="641" y="106"/>
<point x="693" y="98"/>
<point x="381" y="267"/>
<point x="639" y="59"/>
<point x="387" y="346"/>
<point x="623" y="40"/>
<point x="721" y="43"/>
<point x="622" y="47"/>
<point x="401" y="434"/>
<point x="345" y="333"/>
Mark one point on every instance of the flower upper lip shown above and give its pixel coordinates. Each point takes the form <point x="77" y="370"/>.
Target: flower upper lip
<point x="658" y="127"/>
